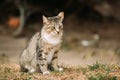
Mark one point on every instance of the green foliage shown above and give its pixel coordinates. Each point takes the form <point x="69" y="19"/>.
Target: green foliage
<point x="29" y="78"/>
<point x="95" y="66"/>
<point x="98" y="66"/>
<point x="101" y="76"/>
<point x="100" y="72"/>
<point x="96" y="71"/>
<point x="84" y="70"/>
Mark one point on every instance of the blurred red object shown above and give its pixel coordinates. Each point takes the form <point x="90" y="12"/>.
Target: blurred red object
<point x="14" y="22"/>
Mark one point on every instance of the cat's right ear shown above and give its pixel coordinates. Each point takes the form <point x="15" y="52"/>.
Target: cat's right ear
<point x="45" y="20"/>
<point x="61" y="16"/>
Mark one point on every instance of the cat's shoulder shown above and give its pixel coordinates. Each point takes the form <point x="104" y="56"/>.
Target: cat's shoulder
<point x="37" y="34"/>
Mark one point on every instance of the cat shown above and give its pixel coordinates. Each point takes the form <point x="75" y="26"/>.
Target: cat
<point x="41" y="53"/>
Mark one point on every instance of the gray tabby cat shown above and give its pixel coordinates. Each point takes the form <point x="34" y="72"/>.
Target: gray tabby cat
<point x="41" y="54"/>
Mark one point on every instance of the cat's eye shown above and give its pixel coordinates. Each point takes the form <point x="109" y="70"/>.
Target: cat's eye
<point x="52" y="27"/>
<point x="48" y="28"/>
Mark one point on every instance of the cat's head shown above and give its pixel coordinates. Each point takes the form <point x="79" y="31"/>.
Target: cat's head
<point x="53" y="25"/>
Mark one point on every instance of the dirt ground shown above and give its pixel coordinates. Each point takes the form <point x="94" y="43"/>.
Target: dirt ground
<point x="10" y="49"/>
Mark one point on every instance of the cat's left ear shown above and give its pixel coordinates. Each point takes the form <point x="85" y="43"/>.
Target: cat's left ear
<point x="45" y="20"/>
<point x="61" y="16"/>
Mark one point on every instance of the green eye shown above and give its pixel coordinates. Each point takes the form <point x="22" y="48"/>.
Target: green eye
<point x="52" y="27"/>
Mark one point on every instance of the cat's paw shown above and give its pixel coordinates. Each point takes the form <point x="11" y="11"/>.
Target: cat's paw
<point x="46" y="73"/>
<point x="32" y="70"/>
<point x="60" y="69"/>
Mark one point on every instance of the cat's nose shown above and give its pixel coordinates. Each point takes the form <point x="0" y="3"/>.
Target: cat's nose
<point x="57" y="32"/>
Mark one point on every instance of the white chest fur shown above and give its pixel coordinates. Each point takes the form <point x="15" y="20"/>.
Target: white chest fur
<point x="51" y="39"/>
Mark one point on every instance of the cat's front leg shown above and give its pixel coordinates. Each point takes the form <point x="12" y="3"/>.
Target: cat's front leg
<point x="42" y="62"/>
<point x="54" y="64"/>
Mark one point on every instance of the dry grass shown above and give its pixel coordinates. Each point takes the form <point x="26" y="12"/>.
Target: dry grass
<point x="95" y="72"/>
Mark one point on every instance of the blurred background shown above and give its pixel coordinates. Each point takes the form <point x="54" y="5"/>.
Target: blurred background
<point x="91" y="29"/>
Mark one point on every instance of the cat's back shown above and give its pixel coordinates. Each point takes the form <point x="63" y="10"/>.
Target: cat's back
<point x="33" y="42"/>
<point x="30" y="50"/>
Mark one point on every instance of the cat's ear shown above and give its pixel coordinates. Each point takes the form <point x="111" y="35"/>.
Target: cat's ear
<point x="61" y="16"/>
<point x="45" y="20"/>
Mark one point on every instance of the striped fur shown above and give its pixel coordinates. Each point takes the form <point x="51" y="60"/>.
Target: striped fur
<point x="41" y="53"/>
